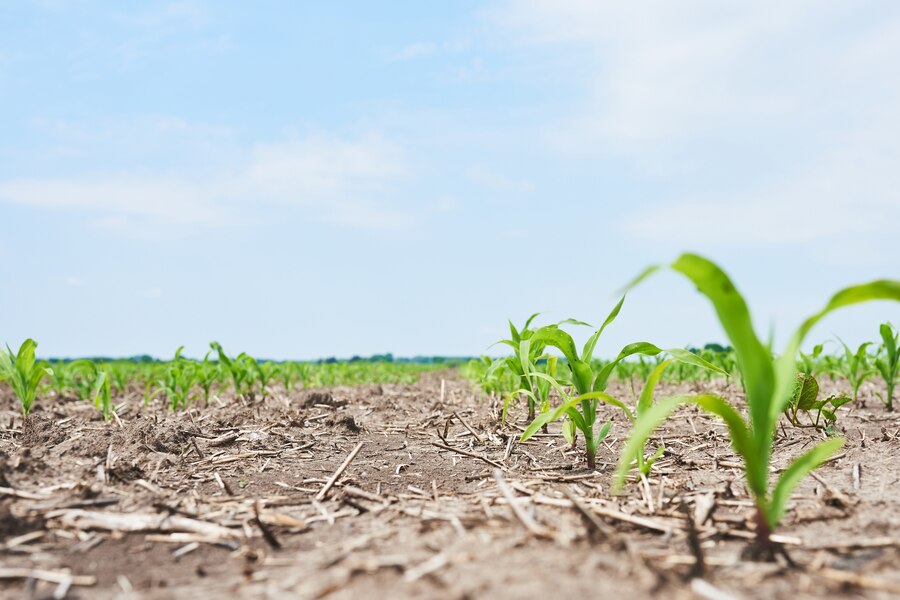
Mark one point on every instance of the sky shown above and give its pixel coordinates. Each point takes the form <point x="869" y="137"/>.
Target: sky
<point x="307" y="179"/>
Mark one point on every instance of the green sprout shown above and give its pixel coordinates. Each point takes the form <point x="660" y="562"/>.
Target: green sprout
<point x="22" y="373"/>
<point x="207" y="375"/>
<point x="855" y="366"/>
<point x="518" y="364"/>
<point x="101" y="394"/>
<point x="588" y="381"/>
<point x="888" y="361"/>
<point x="178" y="380"/>
<point x="806" y="398"/>
<point x="237" y="367"/>
<point x="768" y="382"/>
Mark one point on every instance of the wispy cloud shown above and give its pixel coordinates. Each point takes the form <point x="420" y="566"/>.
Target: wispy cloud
<point x="340" y="181"/>
<point x="413" y="51"/>
<point x="782" y="121"/>
<point x="151" y="293"/>
<point x="484" y="176"/>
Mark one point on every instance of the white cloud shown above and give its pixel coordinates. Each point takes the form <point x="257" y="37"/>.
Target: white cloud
<point x="72" y="281"/>
<point x="414" y="50"/>
<point x="150" y="293"/>
<point x="680" y="70"/>
<point x="344" y="182"/>
<point x="483" y="176"/>
<point x="797" y="101"/>
<point x="852" y="193"/>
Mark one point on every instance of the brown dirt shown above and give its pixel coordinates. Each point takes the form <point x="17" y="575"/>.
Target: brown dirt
<point x="411" y="520"/>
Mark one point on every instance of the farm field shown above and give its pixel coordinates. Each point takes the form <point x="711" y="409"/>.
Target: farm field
<point x="232" y="500"/>
<point x="516" y="300"/>
<point x="713" y="472"/>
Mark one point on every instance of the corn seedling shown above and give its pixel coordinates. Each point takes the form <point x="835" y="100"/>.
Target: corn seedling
<point x="811" y="363"/>
<point x="855" y="366"/>
<point x="207" y="375"/>
<point x="237" y="367"/>
<point x="888" y="361"/>
<point x="178" y="380"/>
<point x="588" y="382"/>
<point x="769" y="383"/>
<point x="23" y="373"/>
<point x="524" y="354"/>
<point x="101" y="394"/>
<point x="264" y="372"/>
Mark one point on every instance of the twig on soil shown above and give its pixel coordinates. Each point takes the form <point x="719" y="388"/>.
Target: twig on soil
<point x="863" y="581"/>
<point x="5" y="491"/>
<point x="137" y="522"/>
<point x="523" y="517"/>
<point x="650" y="524"/>
<point x="595" y="525"/>
<point x="469" y="427"/>
<point x="222" y="484"/>
<point x="222" y="440"/>
<point x="267" y="534"/>
<point x="340" y="470"/>
<point x="879" y="542"/>
<point x="58" y="577"/>
<point x="493" y="463"/>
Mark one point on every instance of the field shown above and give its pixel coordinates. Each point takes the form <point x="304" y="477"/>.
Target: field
<point x="717" y="472"/>
<point x="230" y="498"/>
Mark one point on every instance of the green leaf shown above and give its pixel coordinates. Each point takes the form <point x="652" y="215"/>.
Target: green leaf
<point x="588" y="352"/>
<point x="568" y="431"/>
<point x="571" y="321"/>
<point x="551" y="335"/>
<point x="576" y="418"/>
<point x="797" y="470"/>
<point x="806" y="393"/>
<point x="645" y="348"/>
<point x="754" y="359"/>
<point x="646" y="398"/>
<point x="603" y="432"/>
<point x="876" y="290"/>
<point x="839" y="402"/>
<point x="647" y="423"/>
<point x="687" y="357"/>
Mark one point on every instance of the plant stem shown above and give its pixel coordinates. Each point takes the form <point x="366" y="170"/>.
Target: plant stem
<point x="763" y="546"/>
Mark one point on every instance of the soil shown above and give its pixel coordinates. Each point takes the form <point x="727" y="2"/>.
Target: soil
<point x="239" y="500"/>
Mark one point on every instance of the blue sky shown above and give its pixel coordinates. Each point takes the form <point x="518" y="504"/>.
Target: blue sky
<point x="311" y="179"/>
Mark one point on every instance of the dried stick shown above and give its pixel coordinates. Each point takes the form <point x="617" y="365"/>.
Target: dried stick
<point x="340" y="470"/>
<point x="529" y="524"/>
<point x="467" y="426"/>
<point x="493" y="463"/>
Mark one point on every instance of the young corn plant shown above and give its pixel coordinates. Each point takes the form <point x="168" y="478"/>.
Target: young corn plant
<point x="178" y="380"/>
<point x="23" y="373"/>
<point x="589" y="381"/>
<point x="855" y="366"/>
<point x="237" y="367"/>
<point x="516" y="365"/>
<point x="264" y="372"/>
<point x="768" y="382"/>
<point x="888" y="361"/>
<point x="811" y="363"/>
<point x="102" y="394"/>
<point x="207" y="375"/>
